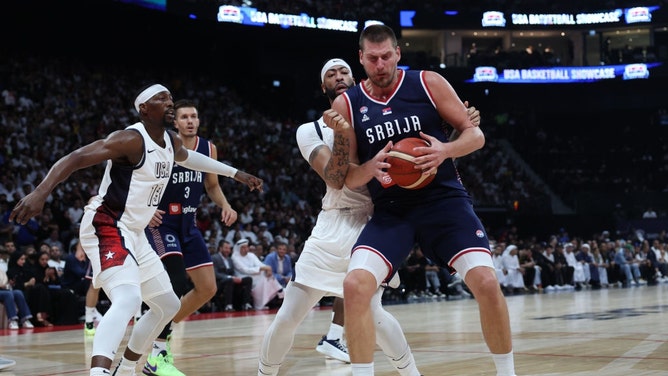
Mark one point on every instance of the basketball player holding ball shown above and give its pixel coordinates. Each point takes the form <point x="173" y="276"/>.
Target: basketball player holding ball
<point x="391" y="105"/>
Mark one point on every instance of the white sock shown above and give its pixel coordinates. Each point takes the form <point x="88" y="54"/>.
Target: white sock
<point x="335" y="331"/>
<point x="90" y="313"/>
<point x="362" y="369"/>
<point x="126" y="367"/>
<point x="505" y="364"/>
<point x="158" y="346"/>
<point x="99" y="371"/>
<point x="405" y="365"/>
<point x="264" y="370"/>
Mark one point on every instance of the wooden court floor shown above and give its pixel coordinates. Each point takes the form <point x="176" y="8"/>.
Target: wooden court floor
<point x="609" y="332"/>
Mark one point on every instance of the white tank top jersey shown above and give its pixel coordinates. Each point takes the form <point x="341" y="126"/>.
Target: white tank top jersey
<point x="131" y="194"/>
<point x="308" y="139"/>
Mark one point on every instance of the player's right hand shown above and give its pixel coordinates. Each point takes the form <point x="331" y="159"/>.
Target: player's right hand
<point x="253" y="182"/>
<point x="157" y="218"/>
<point x="27" y="207"/>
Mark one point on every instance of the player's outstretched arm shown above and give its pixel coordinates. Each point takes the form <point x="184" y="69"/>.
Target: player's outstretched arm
<point x="122" y="146"/>
<point x="199" y="162"/>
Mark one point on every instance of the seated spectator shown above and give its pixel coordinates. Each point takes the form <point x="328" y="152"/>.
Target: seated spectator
<point x="246" y="264"/>
<point x="530" y="271"/>
<point x="23" y="278"/>
<point x="281" y="264"/>
<point x="412" y="273"/>
<point x="589" y="267"/>
<point x="622" y="259"/>
<point x="55" y="260"/>
<point x="514" y="281"/>
<point x="549" y="277"/>
<point x="16" y="307"/>
<point x="602" y="265"/>
<point x="433" y="278"/>
<point x="497" y="258"/>
<point x="64" y="303"/>
<point x="75" y="273"/>
<point x="234" y="292"/>
<point x="579" y="276"/>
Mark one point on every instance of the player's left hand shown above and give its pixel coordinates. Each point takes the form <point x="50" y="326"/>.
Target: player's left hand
<point x="228" y="215"/>
<point x="434" y="155"/>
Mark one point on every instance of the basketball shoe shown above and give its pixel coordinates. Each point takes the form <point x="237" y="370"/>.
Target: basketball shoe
<point x="162" y="364"/>
<point x="333" y="348"/>
<point x="89" y="328"/>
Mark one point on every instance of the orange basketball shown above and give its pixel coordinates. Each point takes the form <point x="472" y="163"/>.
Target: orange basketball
<point x="402" y="169"/>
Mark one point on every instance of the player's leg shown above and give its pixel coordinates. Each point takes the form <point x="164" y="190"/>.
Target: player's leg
<point x="204" y="282"/>
<point x="122" y="286"/>
<point x="163" y="304"/>
<point x="297" y="303"/>
<point x="160" y="360"/>
<point x="332" y="344"/>
<point x="390" y="337"/>
<point x="91" y="312"/>
<point x="359" y="287"/>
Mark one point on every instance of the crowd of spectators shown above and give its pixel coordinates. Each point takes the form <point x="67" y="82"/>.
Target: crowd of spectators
<point x="50" y="107"/>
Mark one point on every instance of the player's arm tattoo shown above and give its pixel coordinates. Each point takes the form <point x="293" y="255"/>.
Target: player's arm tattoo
<point x="337" y="166"/>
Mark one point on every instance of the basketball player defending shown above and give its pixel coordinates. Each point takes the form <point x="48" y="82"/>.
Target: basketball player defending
<point x="176" y="239"/>
<point x="323" y="263"/>
<point x="139" y="161"/>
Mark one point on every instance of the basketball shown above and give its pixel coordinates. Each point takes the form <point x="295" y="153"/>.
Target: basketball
<point x="402" y="169"/>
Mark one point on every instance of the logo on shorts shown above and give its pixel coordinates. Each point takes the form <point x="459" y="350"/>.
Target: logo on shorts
<point x="480" y="234"/>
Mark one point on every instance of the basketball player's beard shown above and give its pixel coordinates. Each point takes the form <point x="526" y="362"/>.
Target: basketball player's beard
<point x="332" y="93"/>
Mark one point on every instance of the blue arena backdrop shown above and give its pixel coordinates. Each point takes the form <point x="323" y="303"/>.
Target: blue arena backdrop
<point x="551" y="75"/>
<point x="160" y="5"/>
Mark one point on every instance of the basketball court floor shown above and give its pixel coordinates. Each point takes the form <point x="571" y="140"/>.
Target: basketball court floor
<point x="608" y="332"/>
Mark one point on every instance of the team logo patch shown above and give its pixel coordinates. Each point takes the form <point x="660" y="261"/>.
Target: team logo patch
<point x="387" y="111"/>
<point x="174" y="208"/>
<point x="480" y="234"/>
<point x="364" y="109"/>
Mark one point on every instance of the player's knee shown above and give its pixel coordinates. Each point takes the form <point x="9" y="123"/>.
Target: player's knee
<point x="358" y="285"/>
<point x="483" y="282"/>
<point x="206" y="290"/>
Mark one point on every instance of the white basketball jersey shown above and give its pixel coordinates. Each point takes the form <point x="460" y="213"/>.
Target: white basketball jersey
<point x="308" y="139"/>
<point x="131" y="194"/>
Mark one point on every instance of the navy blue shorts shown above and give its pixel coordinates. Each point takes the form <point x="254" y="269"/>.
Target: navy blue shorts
<point x="166" y="241"/>
<point x="444" y="229"/>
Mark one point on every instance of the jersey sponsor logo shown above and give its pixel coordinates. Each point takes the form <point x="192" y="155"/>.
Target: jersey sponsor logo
<point x="174" y="208"/>
<point x="150" y="151"/>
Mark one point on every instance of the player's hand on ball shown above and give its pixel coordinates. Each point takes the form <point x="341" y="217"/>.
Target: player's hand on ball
<point x="378" y="164"/>
<point x="433" y="155"/>
<point x="334" y="120"/>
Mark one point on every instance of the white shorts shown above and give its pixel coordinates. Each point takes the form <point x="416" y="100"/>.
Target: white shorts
<point x="323" y="263"/>
<point x="117" y="255"/>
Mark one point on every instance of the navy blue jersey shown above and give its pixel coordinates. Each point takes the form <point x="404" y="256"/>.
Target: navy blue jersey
<point x="409" y="110"/>
<point x="183" y="194"/>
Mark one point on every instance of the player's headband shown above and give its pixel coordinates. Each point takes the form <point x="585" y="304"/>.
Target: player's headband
<point x="331" y="64"/>
<point x="148" y="93"/>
